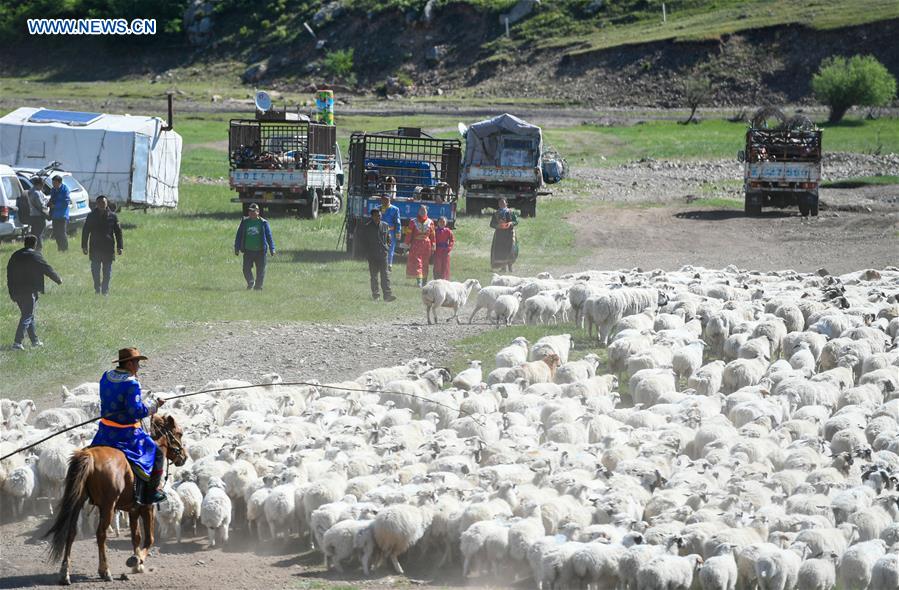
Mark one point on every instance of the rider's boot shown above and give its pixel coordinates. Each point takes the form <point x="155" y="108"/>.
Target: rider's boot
<point x="151" y="493"/>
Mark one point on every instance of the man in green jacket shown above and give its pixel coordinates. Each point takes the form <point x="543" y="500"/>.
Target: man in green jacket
<point x="254" y="239"/>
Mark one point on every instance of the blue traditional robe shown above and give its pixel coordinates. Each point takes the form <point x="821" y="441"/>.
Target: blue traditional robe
<point x="121" y="404"/>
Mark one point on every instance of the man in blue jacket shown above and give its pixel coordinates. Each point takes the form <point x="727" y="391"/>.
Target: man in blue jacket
<point x="59" y="212"/>
<point x="390" y="214"/>
<point x="254" y="239"/>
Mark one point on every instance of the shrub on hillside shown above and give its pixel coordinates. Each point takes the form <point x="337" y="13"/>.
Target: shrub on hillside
<point x="842" y="83"/>
<point x="339" y="64"/>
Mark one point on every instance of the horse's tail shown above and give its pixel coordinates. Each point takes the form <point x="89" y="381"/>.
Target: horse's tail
<point x="81" y="464"/>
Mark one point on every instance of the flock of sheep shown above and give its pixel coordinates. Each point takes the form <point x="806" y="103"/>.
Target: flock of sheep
<point x="743" y="432"/>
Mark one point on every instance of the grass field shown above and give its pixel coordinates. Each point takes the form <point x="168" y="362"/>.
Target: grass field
<point x="179" y="271"/>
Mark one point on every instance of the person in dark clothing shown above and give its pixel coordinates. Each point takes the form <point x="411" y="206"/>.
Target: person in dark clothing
<point x="374" y="238"/>
<point x="25" y="274"/>
<point x="101" y="239"/>
<point x="59" y="213"/>
<point x="254" y="239"/>
<point x="37" y="202"/>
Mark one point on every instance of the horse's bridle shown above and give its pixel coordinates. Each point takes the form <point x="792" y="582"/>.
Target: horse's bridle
<point x="174" y="444"/>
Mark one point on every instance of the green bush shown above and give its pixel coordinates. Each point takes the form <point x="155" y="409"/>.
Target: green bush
<point x="339" y="64"/>
<point x="858" y="81"/>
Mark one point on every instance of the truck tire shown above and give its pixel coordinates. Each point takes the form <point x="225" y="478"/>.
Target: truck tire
<point x="529" y="209"/>
<point x="803" y="208"/>
<point x="473" y="206"/>
<point x="310" y="211"/>
<point x="813" y="207"/>
<point x="752" y="209"/>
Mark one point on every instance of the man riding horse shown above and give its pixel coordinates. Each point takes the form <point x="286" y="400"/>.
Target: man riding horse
<point x="120" y="470"/>
<point x="122" y="408"/>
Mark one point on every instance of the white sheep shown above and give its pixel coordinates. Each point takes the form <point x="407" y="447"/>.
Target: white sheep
<point x="397" y="528"/>
<point x="688" y="359"/>
<point x="605" y="310"/>
<point x="506" y="308"/>
<point x="470" y="377"/>
<point x="192" y="501"/>
<point x="668" y="572"/>
<point x="885" y="573"/>
<point x="817" y="573"/>
<point x="215" y="511"/>
<point x="169" y="514"/>
<point x="488" y="297"/>
<point x="719" y="572"/>
<point x="543" y="307"/>
<point x="559" y="344"/>
<point x="348" y="541"/>
<point x="484" y="543"/>
<point x="514" y="354"/>
<point x="440" y="293"/>
<point x="574" y="371"/>
<point x="857" y="563"/>
<point x="280" y="510"/>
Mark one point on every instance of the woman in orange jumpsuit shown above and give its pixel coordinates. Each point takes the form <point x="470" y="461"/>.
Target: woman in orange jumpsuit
<point x="422" y="243"/>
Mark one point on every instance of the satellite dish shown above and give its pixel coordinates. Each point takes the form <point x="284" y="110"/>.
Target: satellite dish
<point x="263" y="101"/>
<point x="463" y="128"/>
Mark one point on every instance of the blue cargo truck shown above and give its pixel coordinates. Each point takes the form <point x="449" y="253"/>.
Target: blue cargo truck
<point x="417" y="162"/>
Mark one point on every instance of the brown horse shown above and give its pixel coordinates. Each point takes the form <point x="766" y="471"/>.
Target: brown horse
<point x="103" y="476"/>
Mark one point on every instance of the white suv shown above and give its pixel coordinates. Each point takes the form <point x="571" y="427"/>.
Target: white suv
<point x="79" y="200"/>
<point x="10" y="189"/>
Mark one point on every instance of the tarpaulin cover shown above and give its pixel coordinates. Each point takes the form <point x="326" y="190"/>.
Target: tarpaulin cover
<point x="483" y="141"/>
<point x="130" y="159"/>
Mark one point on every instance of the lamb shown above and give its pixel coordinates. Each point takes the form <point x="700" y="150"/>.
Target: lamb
<point x="280" y="510"/>
<point x="543" y="307"/>
<point x="817" y="574"/>
<point x="777" y="569"/>
<point x="484" y="542"/>
<point x="192" y="500"/>
<point x="470" y="377"/>
<point x="514" y="354"/>
<point x="169" y="514"/>
<point x="215" y="511"/>
<point x="20" y="484"/>
<point x="885" y="573"/>
<point x="398" y="528"/>
<point x="506" y="308"/>
<point x="535" y="371"/>
<point x="668" y="572"/>
<point x="707" y="379"/>
<point x="440" y="293"/>
<point x="719" y="572"/>
<point x="349" y="540"/>
<point x="688" y="359"/>
<point x="559" y="344"/>
<point x="489" y="296"/>
<point x="857" y="563"/>
<point x="575" y="371"/>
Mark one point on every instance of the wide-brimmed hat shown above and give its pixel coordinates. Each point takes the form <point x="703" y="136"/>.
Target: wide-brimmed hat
<point x="129" y="354"/>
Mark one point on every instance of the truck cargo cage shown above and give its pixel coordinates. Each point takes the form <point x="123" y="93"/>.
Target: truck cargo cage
<point x="792" y="145"/>
<point x="413" y="158"/>
<point x="279" y="145"/>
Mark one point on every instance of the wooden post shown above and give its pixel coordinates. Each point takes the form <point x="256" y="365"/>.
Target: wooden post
<point x="664" y="15"/>
<point x="507" y="26"/>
